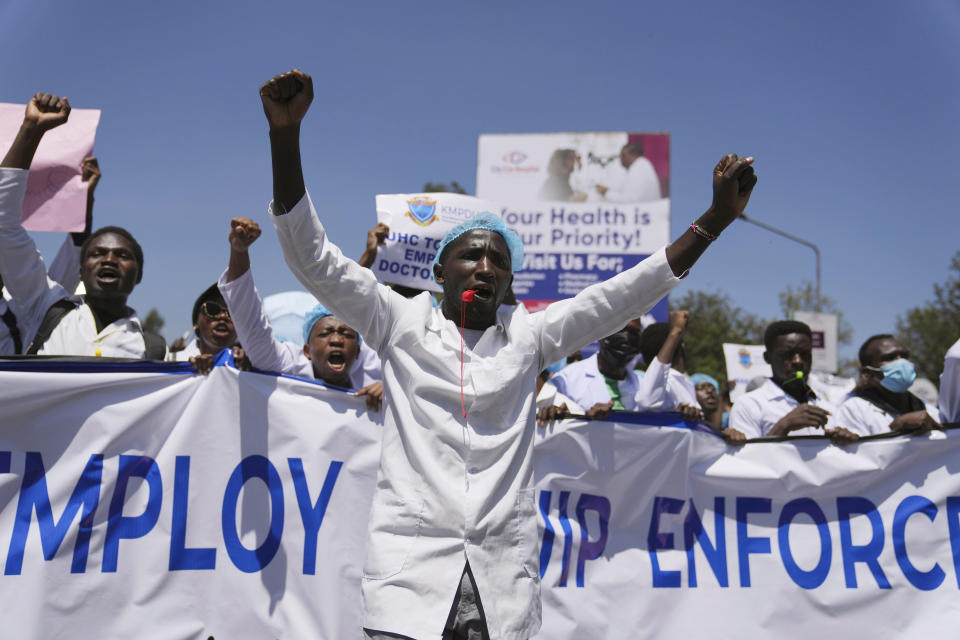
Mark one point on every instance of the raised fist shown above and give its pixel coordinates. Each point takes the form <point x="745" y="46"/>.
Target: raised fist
<point x="46" y="111"/>
<point x="733" y="182"/>
<point x="243" y="233"/>
<point x="286" y="98"/>
<point x="678" y="321"/>
<point x="90" y="173"/>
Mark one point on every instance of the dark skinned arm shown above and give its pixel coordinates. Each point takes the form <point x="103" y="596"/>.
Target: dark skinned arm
<point x="286" y="99"/>
<point x="733" y="182"/>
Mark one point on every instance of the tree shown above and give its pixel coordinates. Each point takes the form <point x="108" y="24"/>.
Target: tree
<point x="929" y="330"/>
<point x="153" y="321"/>
<point x="439" y="187"/>
<point x="804" y="298"/>
<point x="715" y="320"/>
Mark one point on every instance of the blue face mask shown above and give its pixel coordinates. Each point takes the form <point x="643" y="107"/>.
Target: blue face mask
<point x="898" y="375"/>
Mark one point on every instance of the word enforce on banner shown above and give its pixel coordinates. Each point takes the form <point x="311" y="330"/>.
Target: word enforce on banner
<point x="85" y="500"/>
<point x="750" y="509"/>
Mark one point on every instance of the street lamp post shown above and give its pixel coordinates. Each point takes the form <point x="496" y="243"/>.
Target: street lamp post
<point x="816" y="251"/>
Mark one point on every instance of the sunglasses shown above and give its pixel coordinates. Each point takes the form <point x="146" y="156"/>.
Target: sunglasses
<point x="214" y="309"/>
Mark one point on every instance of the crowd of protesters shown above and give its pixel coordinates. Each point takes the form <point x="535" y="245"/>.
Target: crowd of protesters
<point x="428" y="442"/>
<point x="636" y="369"/>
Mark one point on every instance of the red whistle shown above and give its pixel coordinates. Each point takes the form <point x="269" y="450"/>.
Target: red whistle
<point x="467" y="296"/>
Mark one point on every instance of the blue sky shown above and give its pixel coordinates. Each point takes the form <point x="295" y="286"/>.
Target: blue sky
<point x="849" y="107"/>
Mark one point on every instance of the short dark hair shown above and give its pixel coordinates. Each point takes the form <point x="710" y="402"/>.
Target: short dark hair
<point x="210" y="293"/>
<point x="782" y="328"/>
<point x="634" y="147"/>
<point x="120" y="231"/>
<point x="862" y="354"/>
<point x="652" y="339"/>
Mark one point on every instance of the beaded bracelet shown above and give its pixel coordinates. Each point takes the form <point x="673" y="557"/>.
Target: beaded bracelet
<point x="703" y="233"/>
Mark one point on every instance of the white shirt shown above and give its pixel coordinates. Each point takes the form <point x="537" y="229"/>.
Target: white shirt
<point x="255" y="335"/>
<point x="452" y="489"/>
<point x="639" y="183"/>
<point x="950" y="385"/>
<point x="865" y="418"/>
<point x="663" y="388"/>
<point x="77" y="335"/>
<point x="31" y="291"/>
<point x="755" y="413"/>
<point x="584" y="384"/>
<point x="184" y="355"/>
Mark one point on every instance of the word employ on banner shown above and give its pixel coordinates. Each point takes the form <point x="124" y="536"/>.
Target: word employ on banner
<point x="115" y="484"/>
<point x="56" y="198"/>
<point x="586" y="205"/>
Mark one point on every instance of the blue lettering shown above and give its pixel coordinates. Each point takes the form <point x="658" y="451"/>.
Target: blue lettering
<point x="33" y="495"/>
<point x="657" y="541"/>
<point x="591" y="550"/>
<point x="120" y="526"/>
<point x="716" y="555"/>
<point x="312" y="514"/>
<point x="546" y="547"/>
<point x="953" y="511"/>
<point x="806" y="579"/>
<point x="180" y="556"/>
<point x="567" y="537"/>
<point x="924" y="580"/>
<point x="869" y="553"/>
<point x="749" y="544"/>
<point x="248" y="560"/>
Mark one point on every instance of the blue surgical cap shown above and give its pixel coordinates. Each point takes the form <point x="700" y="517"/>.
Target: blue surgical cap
<point x="697" y="378"/>
<point x="557" y="366"/>
<point x="486" y="220"/>
<point x="317" y="313"/>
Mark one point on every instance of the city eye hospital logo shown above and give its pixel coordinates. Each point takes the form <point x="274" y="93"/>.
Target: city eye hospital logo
<point x="422" y="210"/>
<point x="745" y="361"/>
<point x="514" y="162"/>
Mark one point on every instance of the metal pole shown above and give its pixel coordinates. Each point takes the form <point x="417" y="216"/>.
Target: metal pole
<point x="795" y="239"/>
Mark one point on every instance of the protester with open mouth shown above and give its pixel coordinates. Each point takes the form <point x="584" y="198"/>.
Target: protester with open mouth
<point x="330" y="348"/>
<point x="452" y="545"/>
<point x="111" y="264"/>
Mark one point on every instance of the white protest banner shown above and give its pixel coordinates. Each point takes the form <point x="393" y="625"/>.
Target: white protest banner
<point x="583" y="214"/>
<point x="417" y="224"/>
<point x="744" y="363"/>
<point x="668" y="533"/>
<point x="157" y="504"/>
<point x="823" y="326"/>
<point x="56" y="198"/>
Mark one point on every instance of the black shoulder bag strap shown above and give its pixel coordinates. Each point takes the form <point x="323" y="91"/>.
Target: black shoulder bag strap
<point x="10" y="319"/>
<point x="51" y="319"/>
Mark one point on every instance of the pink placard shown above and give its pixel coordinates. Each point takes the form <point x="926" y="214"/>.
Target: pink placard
<point x="56" y="197"/>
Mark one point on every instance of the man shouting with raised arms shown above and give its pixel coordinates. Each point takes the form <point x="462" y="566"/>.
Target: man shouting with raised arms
<point x="452" y="546"/>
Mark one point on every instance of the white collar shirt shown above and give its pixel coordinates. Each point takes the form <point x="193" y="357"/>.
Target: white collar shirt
<point x="639" y="183"/>
<point x="866" y="419"/>
<point x="663" y="388"/>
<point x="454" y="489"/>
<point x="584" y="384"/>
<point x="76" y="335"/>
<point x="755" y="413"/>
<point x="184" y="355"/>
<point x="268" y="353"/>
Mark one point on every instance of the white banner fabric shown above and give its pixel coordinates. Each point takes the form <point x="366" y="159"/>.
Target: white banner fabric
<point x="744" y="363"/>
<point x="158" y="505"/>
